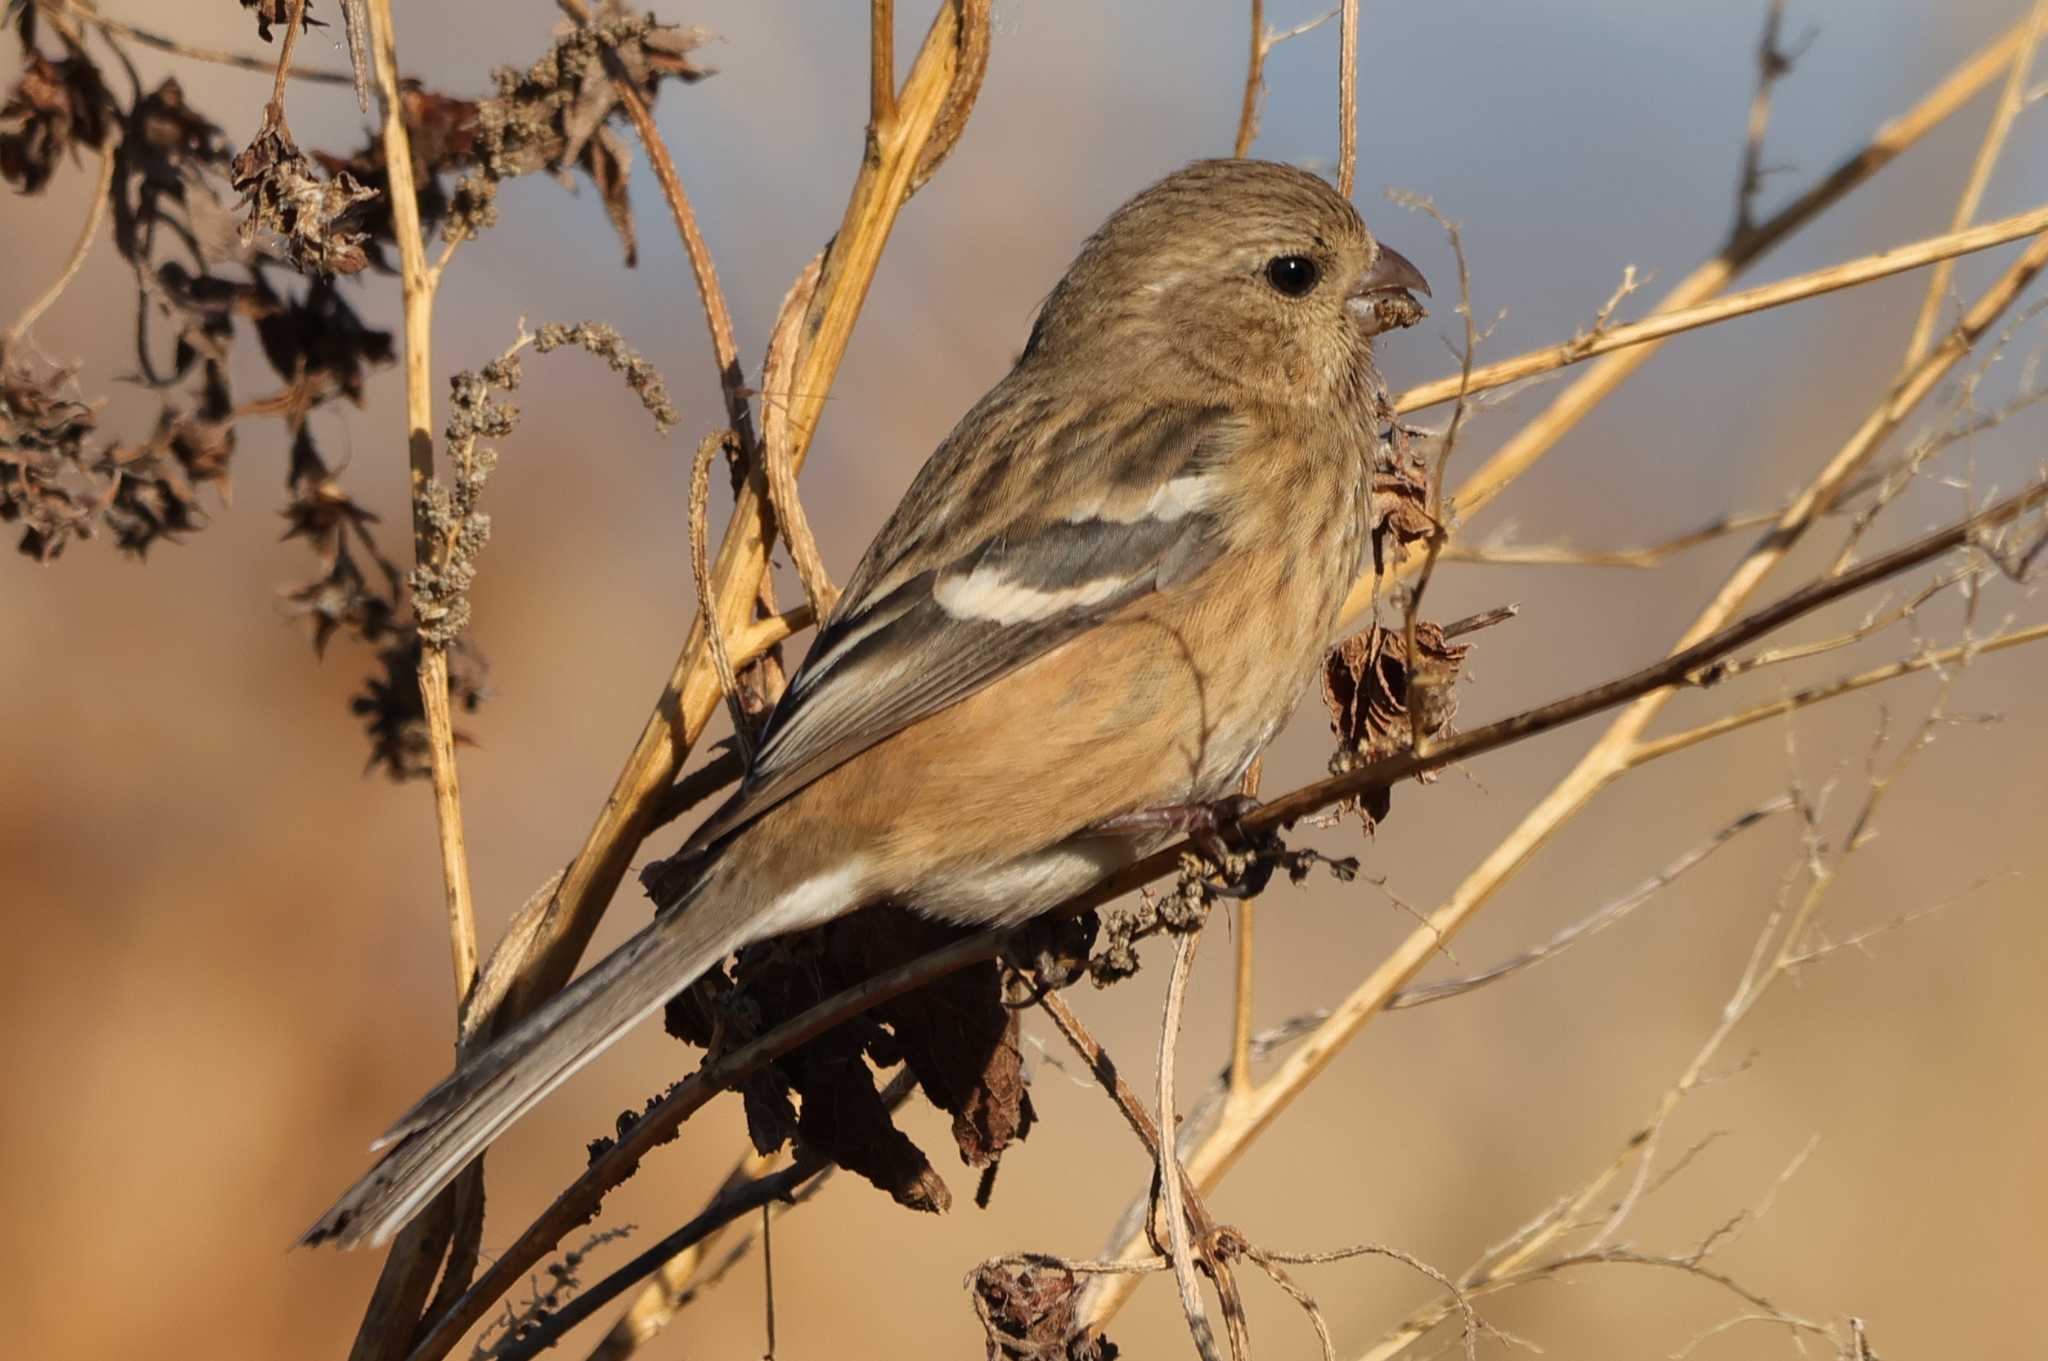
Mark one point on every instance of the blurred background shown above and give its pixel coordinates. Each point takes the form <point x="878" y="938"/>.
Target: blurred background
<point x="230" y="969"/>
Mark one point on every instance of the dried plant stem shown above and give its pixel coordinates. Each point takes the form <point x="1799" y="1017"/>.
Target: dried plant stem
<point x="1347" y="98"/>
<point x="418" y="286"/>
<point x="1650" y="749"/>
<point x="1264" y="40"/>
<point x="881" y="62"/>
<point x="1528" y="445"/>
<point x="95" y="214"/>
<point x="1593" y="923"/>
<point x="1772" y="66"/>
<point x="1197" y="1217"/>
<point x="700" y="576"/>
<point x="2010" y="100"/>
<point x="717" y="315"/>
<point x="293" y="24"/>
<point x="1254" y="82"/>
<point x="1849" y="274"/>
<point x="1184" y="1277"/>
<point x="754" y="1185"/>
<point x="1241" y="1004"/>
<point x="120" y="29"/>
<point x="402" y="1290"/>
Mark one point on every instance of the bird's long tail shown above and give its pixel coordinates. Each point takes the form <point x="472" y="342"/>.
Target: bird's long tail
<point x="496" y="1085"/>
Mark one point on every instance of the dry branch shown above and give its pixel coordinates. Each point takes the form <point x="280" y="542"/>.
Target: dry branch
<point x="1849" y="274"/>
<point x="2008" y="107"/>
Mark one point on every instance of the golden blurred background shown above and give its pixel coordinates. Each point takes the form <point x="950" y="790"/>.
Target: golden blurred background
<point x="230" y="969"/>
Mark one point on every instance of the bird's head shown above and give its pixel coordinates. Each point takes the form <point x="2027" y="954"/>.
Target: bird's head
<point x="1246" y="278"/>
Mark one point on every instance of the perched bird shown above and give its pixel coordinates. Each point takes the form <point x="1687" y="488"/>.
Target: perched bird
<point x="1097" y="602"/>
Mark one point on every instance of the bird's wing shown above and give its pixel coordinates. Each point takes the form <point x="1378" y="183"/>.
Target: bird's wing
<point x="986" y="565"/>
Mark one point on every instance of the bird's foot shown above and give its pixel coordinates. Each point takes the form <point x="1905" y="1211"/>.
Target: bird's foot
<point x="1217" y="829"/>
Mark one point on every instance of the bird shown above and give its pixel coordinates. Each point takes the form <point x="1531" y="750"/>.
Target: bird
<point x="1096" y="603"/>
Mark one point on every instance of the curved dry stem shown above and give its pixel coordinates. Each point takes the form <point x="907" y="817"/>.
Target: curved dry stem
<point x="217" y="56"/>
<point x="782" y="492"/>
<point x="700" y="575"/>
<point x="95" y="214"/>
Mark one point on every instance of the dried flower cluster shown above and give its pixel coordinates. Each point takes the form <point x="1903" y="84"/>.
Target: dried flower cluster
<point x="312" y="216"/>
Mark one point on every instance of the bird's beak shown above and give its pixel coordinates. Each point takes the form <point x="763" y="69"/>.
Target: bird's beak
<point x="1392" y="272"/>
<point x="1383" y="298"/>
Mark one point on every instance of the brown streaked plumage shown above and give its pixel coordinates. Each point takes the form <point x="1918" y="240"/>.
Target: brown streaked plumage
<point x="1103" y="593"/>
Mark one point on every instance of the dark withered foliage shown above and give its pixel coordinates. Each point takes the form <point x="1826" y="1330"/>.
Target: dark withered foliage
<point x="53" y="109"/>
<point x="1027" y="1308"/>
<point x="955" y="1034"/>
<point x="312" y="217"/>
<point x="1400" y="494"/>
<point x="206" y="279"/>
<point x="390" y="705"/>
<point x="556" y="113"/>
<point x="277" y="13"/>
<point x="554" y="117"/>
<point x="1378" y="695"/>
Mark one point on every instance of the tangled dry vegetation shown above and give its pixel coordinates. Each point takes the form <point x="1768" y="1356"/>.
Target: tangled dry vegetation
<point x="226" y="245"/>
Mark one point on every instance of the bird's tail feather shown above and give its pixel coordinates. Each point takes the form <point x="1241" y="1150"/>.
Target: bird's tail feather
<point x="493" y="1087"/>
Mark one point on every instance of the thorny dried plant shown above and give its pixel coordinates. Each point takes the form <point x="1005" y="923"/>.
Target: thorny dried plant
<point x="802" y="1026"/>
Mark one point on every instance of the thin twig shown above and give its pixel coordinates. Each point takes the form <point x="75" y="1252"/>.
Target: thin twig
<point x="240" y="61"/>
<point x="1254" y="85"/>
<point x="1673" y="321"/>
<point x="1651" y="749"/>
<point x="1501" y="554"/>
<point x="95" y="213"/>
<point x="1773" y="65"/>
<point x="1606" y="916"/>
<point x="1241" y="1002"/>
<point x="1347" y="98"/>
<point x="2002" y="115"/>
<point x="1169" y="1160"/>
<point x="1440" y="530"/>
<point x="295" y="22"/>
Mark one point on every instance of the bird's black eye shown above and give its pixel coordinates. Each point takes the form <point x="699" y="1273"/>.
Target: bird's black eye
<point x="1293" y="275"/>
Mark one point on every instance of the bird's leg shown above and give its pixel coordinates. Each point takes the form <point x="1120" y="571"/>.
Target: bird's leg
<point x="1215" y="827"/>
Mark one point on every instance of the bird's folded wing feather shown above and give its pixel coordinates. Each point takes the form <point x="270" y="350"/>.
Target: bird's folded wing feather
<point x="1007" y="560"/>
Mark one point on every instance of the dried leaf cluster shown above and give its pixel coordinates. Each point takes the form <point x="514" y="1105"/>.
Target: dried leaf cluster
<point x="955" y="1035"/>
